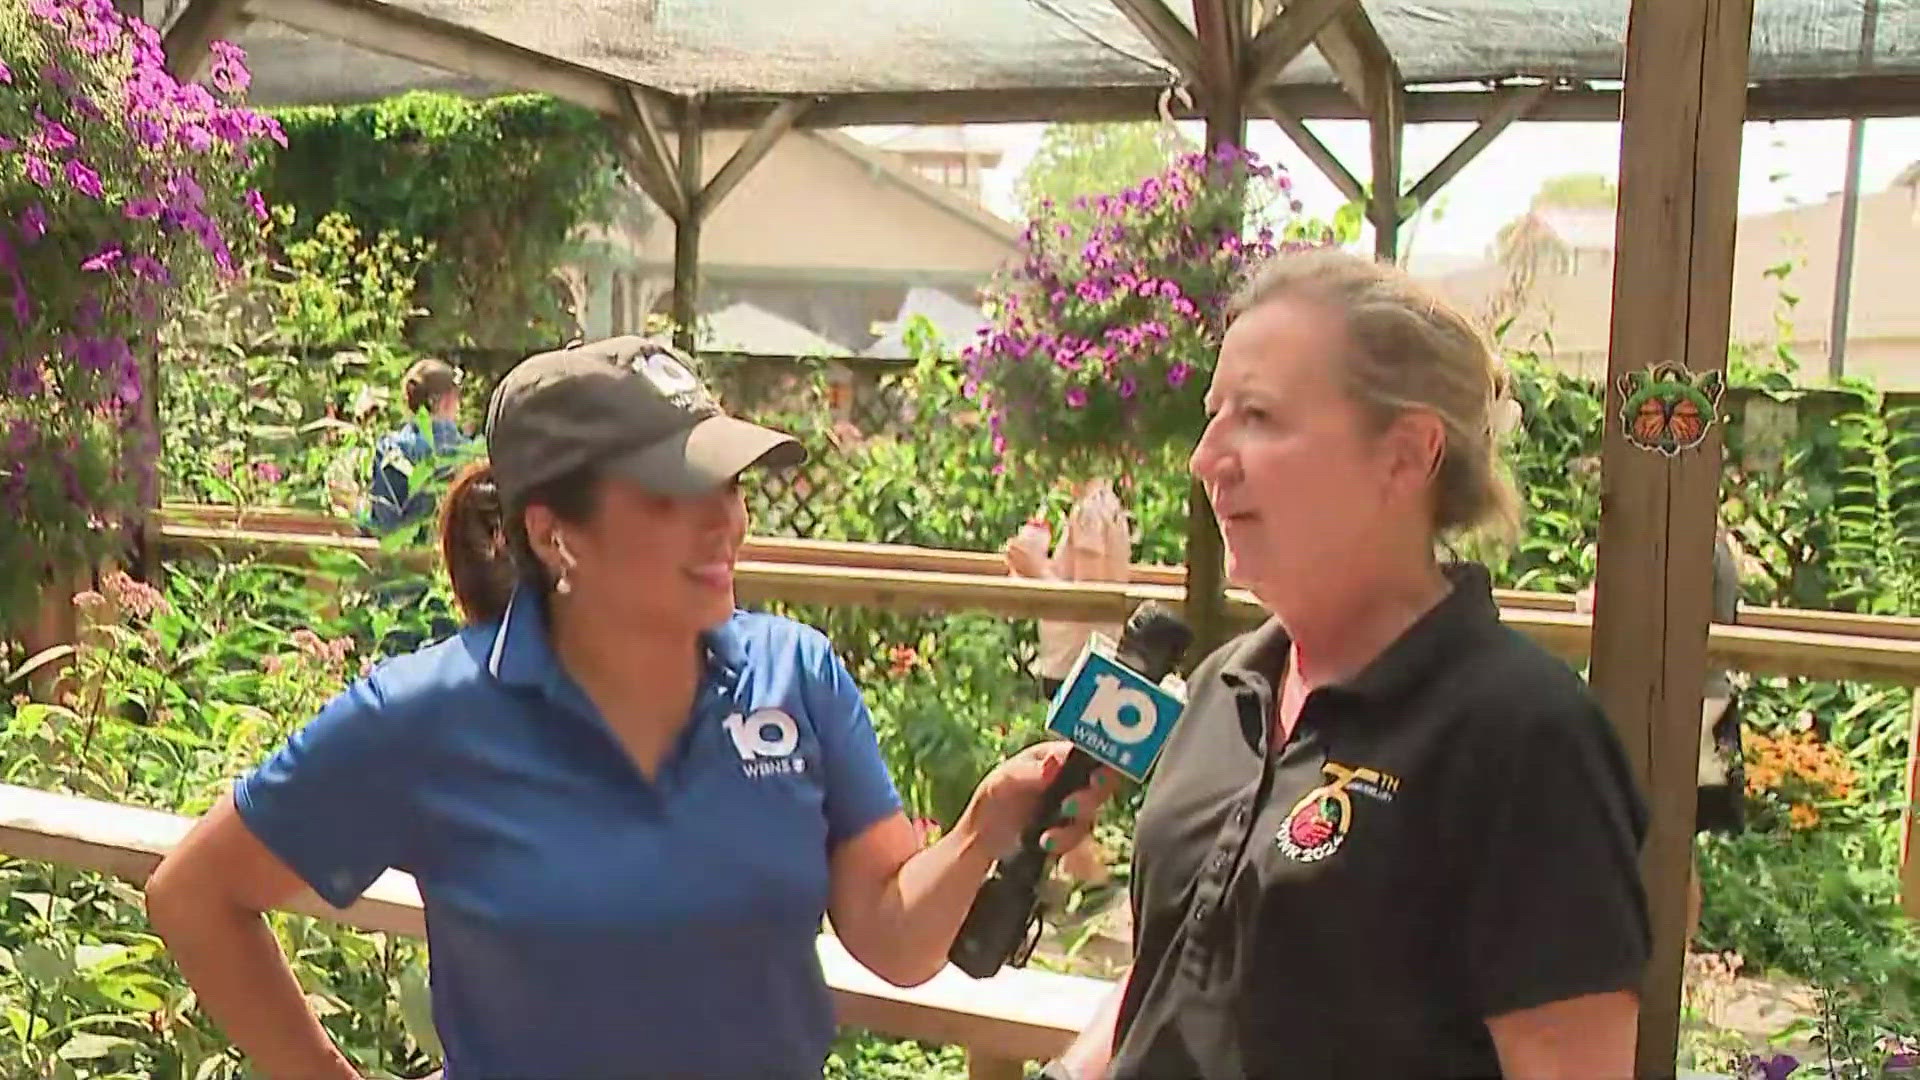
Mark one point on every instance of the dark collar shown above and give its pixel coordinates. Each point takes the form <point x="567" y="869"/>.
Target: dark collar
<point x="1261" y="657"/>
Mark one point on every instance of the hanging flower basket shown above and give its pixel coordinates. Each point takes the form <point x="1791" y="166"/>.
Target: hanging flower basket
<point x="1102" y="338"/>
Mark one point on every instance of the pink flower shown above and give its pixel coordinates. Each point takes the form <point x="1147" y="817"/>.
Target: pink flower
<point x="103" y="261"/>
<point x="39" y="170"/>
<point x="84" y="179"/>
<point x="1178" y="374"/>
<point x="1076" y="397"/>
<point x="6" y="75"/>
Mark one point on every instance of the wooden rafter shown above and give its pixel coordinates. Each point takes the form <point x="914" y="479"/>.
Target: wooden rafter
<point x="691" y="166"/>
<point x="189" y="39"/>
<point x="1509" y="105"/>
<point x="1286" y="35"/>
<point x="1221" y="31"/>
<point x="1317" y="152"/>
<point x="1175" y="42"/>
<point x="751" y="152"/>
<point x="651" y="159"/>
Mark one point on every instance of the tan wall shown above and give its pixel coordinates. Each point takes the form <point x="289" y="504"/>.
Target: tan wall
<point x="1884" y="322"/>
<point x="810" y="205"/>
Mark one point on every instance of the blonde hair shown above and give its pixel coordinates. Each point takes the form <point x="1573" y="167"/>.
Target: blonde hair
<point x="1411" y="351"/>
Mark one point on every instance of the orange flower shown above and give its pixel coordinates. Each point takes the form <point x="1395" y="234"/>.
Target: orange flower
<point x="1803" y="816"/>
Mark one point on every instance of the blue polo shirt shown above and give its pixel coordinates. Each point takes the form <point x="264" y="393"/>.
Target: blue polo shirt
<point x="584" y="923"/>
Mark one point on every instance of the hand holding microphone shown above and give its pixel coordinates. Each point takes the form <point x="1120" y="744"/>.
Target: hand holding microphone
<point x="1114" y="713"/>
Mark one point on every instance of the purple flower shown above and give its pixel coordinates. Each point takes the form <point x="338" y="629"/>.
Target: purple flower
<point x="27" y="380"/>
<point x="144" y="208"/>
<point x="1127" y="387"/>
<point x="229" y="70"/>
<point x="257" y="203"/>
<point x="1779" y="1067"/>
<point x="1178" y="374"/>
<point x="149" y="268"/>
<point x="103" y="260"/>
<point x="84" y="179"/>
<point x="38" y="169"/>
<point x="6" y="75"/>
<point x="267" y="472"/>
<point x="33" y="222"/>
<point x="55" y="136"/>
<point x="1076" y="397"/>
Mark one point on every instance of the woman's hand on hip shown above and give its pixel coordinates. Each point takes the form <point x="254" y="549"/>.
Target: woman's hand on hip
<point x="1009" y="797"/>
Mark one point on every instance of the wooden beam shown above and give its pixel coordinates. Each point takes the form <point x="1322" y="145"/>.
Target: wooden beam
<point x="649" y="154"/>
<point x="1781" y="99"/>
<point x="188" y="41"/>
<point x="1168" y="35"/>
<point x="1310" y="145"/>
<point x="752" y="151"/>
<point x="686" y="232"/>
<point x="1366" y="69"/>
<point x="1509" y="105"/>
<point x="1286" y="36"/>
<point x="1019" y="1014"/>
<point x="393" y="30"/>
<point x="1672" y="294"/>
<point x="871" y="576"/>
<point x="204" y="520"/>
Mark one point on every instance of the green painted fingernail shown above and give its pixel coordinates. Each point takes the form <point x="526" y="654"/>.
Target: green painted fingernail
<point x="1072" y="808"/>
<point x="1047" y="844"/>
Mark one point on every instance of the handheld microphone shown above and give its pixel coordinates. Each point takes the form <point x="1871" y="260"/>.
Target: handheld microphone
<point x="1113" y="710"/>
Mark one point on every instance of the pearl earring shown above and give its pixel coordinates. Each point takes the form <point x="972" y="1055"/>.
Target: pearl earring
<point x="563" y="586"/>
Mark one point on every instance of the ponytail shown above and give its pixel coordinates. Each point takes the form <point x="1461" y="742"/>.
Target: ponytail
<point x="484" y="542"/>
<point x="475" y="544"/>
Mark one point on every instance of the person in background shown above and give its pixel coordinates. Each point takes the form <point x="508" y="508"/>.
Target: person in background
<point x="1096" y="544"/>
<point x="1390" y="836"/>
<point x="626" y="803"/>
<point x="397" y="495"/>
<point x="1720" y="805"/>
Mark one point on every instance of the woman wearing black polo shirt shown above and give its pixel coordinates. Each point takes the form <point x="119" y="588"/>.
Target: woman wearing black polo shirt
<point x="1390" y="837"/>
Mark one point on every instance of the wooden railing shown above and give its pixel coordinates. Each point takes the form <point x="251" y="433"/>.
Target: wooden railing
<point x="1766" y="641"/>
<point x="1016" y="1016"/>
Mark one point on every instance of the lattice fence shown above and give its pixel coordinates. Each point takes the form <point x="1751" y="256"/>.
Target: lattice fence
<point x="822" y="402"/>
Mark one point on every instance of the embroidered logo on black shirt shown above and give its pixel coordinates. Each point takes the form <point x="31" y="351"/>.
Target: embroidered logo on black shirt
<point x="1318" y="824"/>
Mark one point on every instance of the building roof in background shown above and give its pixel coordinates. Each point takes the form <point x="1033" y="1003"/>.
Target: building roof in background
<point x="742" y="327"/>
<point x="953" y="320"/>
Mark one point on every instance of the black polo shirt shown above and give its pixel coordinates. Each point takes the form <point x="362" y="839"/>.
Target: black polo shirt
<point x="1452" y="835"/>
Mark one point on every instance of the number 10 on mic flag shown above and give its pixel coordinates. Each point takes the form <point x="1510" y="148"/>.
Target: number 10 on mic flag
<point x="1112" y="712"/>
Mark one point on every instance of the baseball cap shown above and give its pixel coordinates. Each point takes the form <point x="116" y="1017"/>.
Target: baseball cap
<point x="630" y="405"/>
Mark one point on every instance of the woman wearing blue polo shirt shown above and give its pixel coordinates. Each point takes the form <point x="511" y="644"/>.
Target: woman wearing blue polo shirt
<point x="627" y="804"/>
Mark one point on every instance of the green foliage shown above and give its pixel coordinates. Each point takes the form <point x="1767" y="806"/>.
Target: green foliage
<point x="498" y="189"/>
<point x="1577" y="189"/>
<point x="171" y="698"/>
<point x="1076" y="160"/>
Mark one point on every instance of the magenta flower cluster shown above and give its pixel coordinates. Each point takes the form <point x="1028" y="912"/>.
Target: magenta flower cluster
<point x="120" y="196"/>
<point x="1102" y="336"/>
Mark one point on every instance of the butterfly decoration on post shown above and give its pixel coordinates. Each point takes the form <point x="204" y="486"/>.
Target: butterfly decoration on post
<point x="1667" y="409"/>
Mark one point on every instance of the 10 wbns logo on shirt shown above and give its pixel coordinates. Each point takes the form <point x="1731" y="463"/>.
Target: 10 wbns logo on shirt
<point x="766" y="742"/>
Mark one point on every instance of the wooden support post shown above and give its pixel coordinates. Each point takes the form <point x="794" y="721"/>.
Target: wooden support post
<point x="1223" y="41"/>
<point x="188" y="40"/>
<point x="686" y="236"/>
<point x="1682" y="107"/>
<point x="1509" y="105"/>
<point x="1286" y="36"/>
<point x="1367" y="72"/>
<point x="1910" y="819"/>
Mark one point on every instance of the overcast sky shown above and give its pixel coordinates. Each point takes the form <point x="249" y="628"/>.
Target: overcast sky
<point x="1782" y="164"/>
